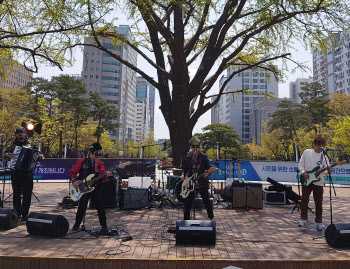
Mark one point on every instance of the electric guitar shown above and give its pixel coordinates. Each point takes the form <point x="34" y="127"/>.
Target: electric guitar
<point x="188" y="184"/>
<point x="314" y="173"/>
<point x="85" y="185"/>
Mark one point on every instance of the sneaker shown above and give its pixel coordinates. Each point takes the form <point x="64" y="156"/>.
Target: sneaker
<point x="319" y="226"/>
<point x="75" y="228"/>
<point x="302" y="223"/>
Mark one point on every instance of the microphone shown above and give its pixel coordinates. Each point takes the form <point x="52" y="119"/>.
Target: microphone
<point x="323" y="149"/>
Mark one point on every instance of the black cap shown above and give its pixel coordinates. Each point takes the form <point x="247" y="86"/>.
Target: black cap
<point x="95" y="147"/>
<point x="20" y="130"/>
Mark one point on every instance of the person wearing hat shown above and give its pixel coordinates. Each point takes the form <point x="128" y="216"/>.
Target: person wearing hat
<point x="22" y="180"/>
<point x="197" y="162"/>
<point x="83" y="168"/>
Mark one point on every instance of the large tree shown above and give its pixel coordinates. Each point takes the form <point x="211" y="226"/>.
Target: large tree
<point x="36" y="31"/>
<point x="211" y="36"/>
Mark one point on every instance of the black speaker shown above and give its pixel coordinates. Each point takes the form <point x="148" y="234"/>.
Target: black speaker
<point x="109" y="194"/>
<point x="47" y="224"/>
<point x="132" y="198"/>
<point x="338" y="235"/>
<point x="8" y="218"/>
<point x="196" y="232"/>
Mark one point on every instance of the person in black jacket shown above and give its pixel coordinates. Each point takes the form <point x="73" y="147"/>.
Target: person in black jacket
<point x="83" y="168"/>
<point x="197" y="162"/>
<point x="22" y="180"/>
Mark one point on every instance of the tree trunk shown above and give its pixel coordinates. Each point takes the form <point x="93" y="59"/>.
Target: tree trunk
<point x="179" y="136"/>
<point x="60" y="152"/>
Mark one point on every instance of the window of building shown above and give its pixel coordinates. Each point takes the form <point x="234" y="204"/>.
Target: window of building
<point x="111" y="70"/>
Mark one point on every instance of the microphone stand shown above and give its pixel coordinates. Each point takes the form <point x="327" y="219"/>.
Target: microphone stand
<point x="330" y="185"/>
<point x="194" y="169"/>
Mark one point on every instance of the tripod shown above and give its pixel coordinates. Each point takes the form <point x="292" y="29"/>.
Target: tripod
<point x="298" y="202"/>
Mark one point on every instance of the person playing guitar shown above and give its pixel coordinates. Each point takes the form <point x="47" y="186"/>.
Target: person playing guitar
<point x="197" y="162"/>
<point x="83" y="168"/>
<point x="310" y="159"/>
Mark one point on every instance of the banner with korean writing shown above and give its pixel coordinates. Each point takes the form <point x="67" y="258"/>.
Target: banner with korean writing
<point x="279" y="171"/>
<point x="57" y="169"/>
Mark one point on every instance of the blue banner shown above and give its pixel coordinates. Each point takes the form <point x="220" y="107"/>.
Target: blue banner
<point x="57" y="169"/>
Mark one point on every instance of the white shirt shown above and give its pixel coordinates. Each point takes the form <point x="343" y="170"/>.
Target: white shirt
<point x="311" y="159"/>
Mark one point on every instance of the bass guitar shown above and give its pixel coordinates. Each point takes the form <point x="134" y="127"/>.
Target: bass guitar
<point x="85" y="185"/>
<point x="314" y="173"/>
<point x="188" y="184"/>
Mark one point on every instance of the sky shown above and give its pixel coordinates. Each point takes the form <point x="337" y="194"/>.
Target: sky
<point x="160" y="128"/>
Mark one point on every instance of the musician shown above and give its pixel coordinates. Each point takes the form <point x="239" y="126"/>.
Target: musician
<point x="310" y="159"/>
<point x="22" y="180"/>
<point x="197" y="162"/>
<point x="83" y="168"/>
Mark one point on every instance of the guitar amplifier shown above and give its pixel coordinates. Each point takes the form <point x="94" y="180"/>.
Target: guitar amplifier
<point x="131" y="198"/>
<point x="109" y="194"/>
<point x="247" y="195"/>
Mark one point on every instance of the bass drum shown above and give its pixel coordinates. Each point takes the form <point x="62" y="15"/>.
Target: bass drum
<point x="178" y="191"/>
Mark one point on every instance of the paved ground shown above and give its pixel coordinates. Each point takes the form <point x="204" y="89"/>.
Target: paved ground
<point x="269" y="233"/>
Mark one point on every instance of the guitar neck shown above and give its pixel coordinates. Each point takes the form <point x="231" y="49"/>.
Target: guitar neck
<point x="97" y="178"/>
<point x="324" y="169"/>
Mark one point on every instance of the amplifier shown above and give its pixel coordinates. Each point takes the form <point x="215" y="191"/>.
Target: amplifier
<point x="247" y="195"/>
<point x="196" y="231"/>
<point x="109" y="194"/>
<point x="133" y="198"/>
<point x="274" y="197"/>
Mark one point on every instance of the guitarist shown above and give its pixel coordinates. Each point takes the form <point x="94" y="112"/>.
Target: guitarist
<point x="310" y="159"/>
<point x="197" y="162"/>
<point x="84" y="167"/>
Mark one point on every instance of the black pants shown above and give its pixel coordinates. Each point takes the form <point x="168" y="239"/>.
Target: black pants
<point x="97" y="195"/>
<point x="203" y="190"/>
<point x="22" y="182"/>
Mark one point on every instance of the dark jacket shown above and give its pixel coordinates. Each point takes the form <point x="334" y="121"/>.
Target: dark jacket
<point x="84" y="167"/>
<point x="202" y="163"/>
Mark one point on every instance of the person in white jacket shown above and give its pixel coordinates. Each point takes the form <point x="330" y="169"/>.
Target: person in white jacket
<point x="311" y="159"/>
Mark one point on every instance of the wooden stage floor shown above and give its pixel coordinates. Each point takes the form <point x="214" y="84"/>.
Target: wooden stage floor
<point x="268" y="234"/>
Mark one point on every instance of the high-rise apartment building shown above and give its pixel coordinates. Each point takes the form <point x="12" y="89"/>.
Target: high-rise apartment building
<point x="144" y="99"/>
<point x="261" y="111"/>
<point x="331" y="68"/>
<point x="17" y="78"/>
<point x="115" y="82"/>
<point x="295" y="87"/>
<point x="234" y="109"/>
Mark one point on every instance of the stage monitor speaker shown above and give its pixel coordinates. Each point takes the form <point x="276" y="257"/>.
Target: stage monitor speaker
<point x="196" y="232"/>
<point x="109" y="194"/>
<point x="8" y="218"/>
<point x="47" y="224"/>
<point x="132" y="198"/>
<point x="338" y="235"/>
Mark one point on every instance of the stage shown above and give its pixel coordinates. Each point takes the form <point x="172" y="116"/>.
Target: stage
<point x="265" y="238"/>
